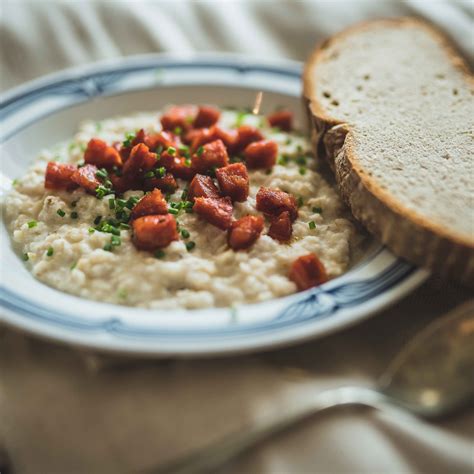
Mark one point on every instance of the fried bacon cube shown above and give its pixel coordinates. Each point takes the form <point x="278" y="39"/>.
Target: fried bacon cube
<point x="282" y="119"/>
<point x="216" y="211"/>
<point x="140" y="137"/>
<point x="261" y="154"/>
<point x="167" y="183"/>
<point x="58" y="176"/>
<point x="176" y="165"/>
<point x="178" y="116"/>
<point x="206" y="117"/>
<point x="86" y="178"/>
<point x="272" y="202"/>
<point x="281" y="227"/>
<point x="100" y="154"/>
<point x="202" y="186"/>
<point x="307" y="271"/>
<point x="154" y="232"/>
<point x="140" y="161"/>
<point x="244" y="232"/>
<point x="152" y="203"/>
<point x="234" y="181"/>
<point x="212" y="155"/>
<point x="247" y="134"/>
<point x="208" y="135"/>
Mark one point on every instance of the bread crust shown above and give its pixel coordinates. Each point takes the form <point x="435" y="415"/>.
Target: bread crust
<point x="406" y="233"/>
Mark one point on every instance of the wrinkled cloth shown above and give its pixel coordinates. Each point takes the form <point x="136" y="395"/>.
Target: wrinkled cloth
<point x="63" y="410"/>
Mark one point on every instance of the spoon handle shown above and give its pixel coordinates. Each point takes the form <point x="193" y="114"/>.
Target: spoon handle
<point x="230" y="447"/>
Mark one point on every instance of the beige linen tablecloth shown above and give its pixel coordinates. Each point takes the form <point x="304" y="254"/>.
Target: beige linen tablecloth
<point x="63" y="411"/>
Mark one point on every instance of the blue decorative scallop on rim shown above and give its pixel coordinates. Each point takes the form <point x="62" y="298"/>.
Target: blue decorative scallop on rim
<point x="48" y="110"/>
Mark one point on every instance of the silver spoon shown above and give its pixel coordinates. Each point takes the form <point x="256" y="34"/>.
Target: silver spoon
<point x="431" y="377"/>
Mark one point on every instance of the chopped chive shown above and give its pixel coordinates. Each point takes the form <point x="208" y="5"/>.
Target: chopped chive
<point x="158" y="150"/>
<point x="200" y="151"/>
<point x="301" y="160"/>
<point x="173" y="211"/>
<point x="115" y="240"/>
<point x="50" y="252"/>
<point x="60" y="212"/>
<point x="97" y="220"/>
<point x="283" y="160"/>
<point x="185" y="234"/>
<point x="120" y="203"/>
<point x="101" y="191"/>
<point x="312" y="225"/>
<point x="73" y="266"/>
<point x="317" y="210"/>
<point x="111" y="203"/>
<point x="299" y="149"/>
<point x="188" y="205"/>
<point x="26" y="257"/>
<point x="187" y="162"/>
<point x="299" y="201"/>
<point x="128" y="139"/>
<point x="150" y="174"/>
<point x="131" y="201"/>
<point x="189" y="119"/>
<point x="108" y="247"/>
<point x="122" y="293"/>
<point x="124" y="226"/>
<point x="159" y="253"/>
<point x="171" y="150"/>
<point x="190" y="245"/>
<point x="32" y="224"/>
<point x="15" y="182"/>
<point x="160" y="172"/>
<point x="178" y="131"/>
<point x="98" y="126"/>
<point x="302" y="171"/>
<point x="288" y="141"/>
<point x="102" y="173"/>
<point x="184" y="194"/>
<point x="91" y="230"/>
<point x="73" y="203"/>
<point x="74" y="215"/>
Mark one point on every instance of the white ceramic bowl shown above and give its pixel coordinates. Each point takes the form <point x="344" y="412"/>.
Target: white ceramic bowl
<point x="43" y="112"/>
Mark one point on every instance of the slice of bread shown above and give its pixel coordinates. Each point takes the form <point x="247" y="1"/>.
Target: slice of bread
<point x="391" y="106"/>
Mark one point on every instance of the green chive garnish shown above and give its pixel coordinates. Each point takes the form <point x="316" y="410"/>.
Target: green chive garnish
<point x="160" y="172"/>
<point x="74" y="215"/>
<point x="312" y="225"/>
<point x="115" y="240"/>
<point x="171" y="150"/>
<point x="200" y="150"/>
<point x="73" y="203"/>
<point x="97" y="220"/>
<point x="150" y="174"/>
<point x="60" y="212"/>
<point x="124" y="226"/>
<point x="159" y="253"/>
<point x="190" y="245"/>
<point x="108" y="247"/>
<point x="73" y="266"/>
<point x="317" y="210"/>
<point x="173" y="211"/>
<point x="299" y="201"/>
<point x="32" y="224"/>
<point x="178" y="131"/>
<point x="111" y="203"/>
<point x="185" y="234"/>
<point x="50" y="252"/>
<point x="26" y="257"/>
<point x="302" y="171"/>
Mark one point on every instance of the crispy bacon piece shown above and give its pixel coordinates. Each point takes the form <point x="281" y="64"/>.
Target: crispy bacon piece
<point x="176" y="165"/>
<point x="216" y="211"/>
<point x="208" y="135"/>
<point x="124" y="183"/>
<point x="163" y="139"/>
<point x="102" y="155"/>
<point x="244" y="232"/>
<point x="234" y="181"/>
<point x="206" y="117"/>
<point x="272" y="202"/>
<point x="152" y="203"/>
<point x="282" y="119"/>
<point x="262" y="154"/>
<point x="58" y="176"/>
<point x="167" y="183"/>
<point x="213" y="155"/>
<point x="281" y="227"/>
<point x="86" y="178"/>
<point x="178" y="116"/>
<point x="307" y="271"/>
<point x="141" y="160"/>
<point x="202" y="186"/>
<point x="140" y="137"/>
<point x="154" y="232"/>
<point x="247" y="134"/>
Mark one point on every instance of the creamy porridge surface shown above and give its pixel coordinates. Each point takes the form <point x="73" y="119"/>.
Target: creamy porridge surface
<point x="65" y="252"/>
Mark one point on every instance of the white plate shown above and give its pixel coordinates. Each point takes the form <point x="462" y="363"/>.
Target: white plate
<point x="49" y="110"/>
